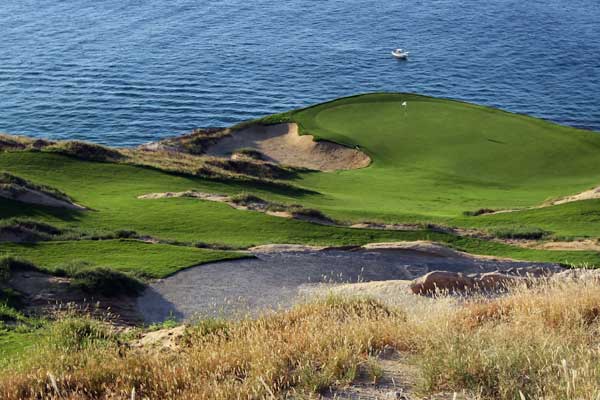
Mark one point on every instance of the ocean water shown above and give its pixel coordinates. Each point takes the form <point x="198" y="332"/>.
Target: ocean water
<point x="125" y="72"/>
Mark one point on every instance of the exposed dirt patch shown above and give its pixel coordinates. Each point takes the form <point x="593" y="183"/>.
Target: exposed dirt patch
<point x="27" y="231"/>
<point x="16" y="188"/>
<point x="162" y="339"/>
<point x="422" y="246"/>
<point x="582" y="245"/>
<point x="251" y="203"/>
<point x="47" y="294"/>
<point x="32" y="196"/>
<point x="280" y="279"/>
<point x="587" y="195"/>
<point x="282" y="144"/>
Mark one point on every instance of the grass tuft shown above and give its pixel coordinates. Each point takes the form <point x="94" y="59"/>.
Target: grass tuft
<point x="86" y="151"/>
<point x="106" y="282"/>
<point x="521" y="232"/>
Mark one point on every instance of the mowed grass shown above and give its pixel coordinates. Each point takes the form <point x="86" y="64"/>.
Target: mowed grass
<point x="14" y="344"/>
<point x="431" y="163"/>
<point x="110" y="191"/>
<point x="438" y="158"/>
<point x="148" y="260"/>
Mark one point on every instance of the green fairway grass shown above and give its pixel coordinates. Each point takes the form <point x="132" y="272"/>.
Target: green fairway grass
<point x="432" y="162"/>
<point x="150" y="260"/>
<point x="437" y="158"/>
<point x="14" y="344"/>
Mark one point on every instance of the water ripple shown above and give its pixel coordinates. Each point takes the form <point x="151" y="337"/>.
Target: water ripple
<point x="126" y="72"/>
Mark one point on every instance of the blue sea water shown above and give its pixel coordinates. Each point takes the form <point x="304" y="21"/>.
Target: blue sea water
<point x="124" y="72"/>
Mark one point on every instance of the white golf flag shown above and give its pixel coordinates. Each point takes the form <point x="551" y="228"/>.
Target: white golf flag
<point x="404" y="104"/>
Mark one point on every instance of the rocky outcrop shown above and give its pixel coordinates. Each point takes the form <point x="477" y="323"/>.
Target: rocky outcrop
<point x="456" y="282"/>
<point x="442" y="281"/>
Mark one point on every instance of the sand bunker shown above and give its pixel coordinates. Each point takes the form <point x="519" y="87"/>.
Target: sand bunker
<point x="587" y="195"/>
<point x="282" y="144"/>
<point x="280" y="279"/>
<point x="32" y="196"/>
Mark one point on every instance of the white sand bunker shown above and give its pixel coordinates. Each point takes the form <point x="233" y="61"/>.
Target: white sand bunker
<point x="587" y="195"/>
<point x="282" y="144"/>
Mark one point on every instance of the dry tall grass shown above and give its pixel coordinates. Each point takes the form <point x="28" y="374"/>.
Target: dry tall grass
<point x="540" y="342"/>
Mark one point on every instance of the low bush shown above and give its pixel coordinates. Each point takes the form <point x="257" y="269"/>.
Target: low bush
<point x="481" y="211"/>
<point x="86" y="151"/>
<point x="75" y="332"/>
<point x="15" y="183"/>
<point x="250" y="153"/>
<point x="299" y="211"/>
<point x="9" y="264"/>
<point x="9" y="313"/>
<point x="256" y="169"/>
<point x="11" y="298"/>
<point x="106" y="282"/>
<point x="26" y="230"/>
<point x="521" y="232"/>
<point x="247" y="198"/>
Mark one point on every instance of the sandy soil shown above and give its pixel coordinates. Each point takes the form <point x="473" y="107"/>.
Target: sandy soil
<point x="583" y="245"/>
<point x="280" y="279"/>
<point x="587" y="195"/>
<point x="282" y="144"/>
<point x="48" y="294"/>
<point x="30" y="196"/>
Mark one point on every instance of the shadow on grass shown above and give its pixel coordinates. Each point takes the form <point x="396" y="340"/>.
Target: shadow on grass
<point x="15" y="209"/>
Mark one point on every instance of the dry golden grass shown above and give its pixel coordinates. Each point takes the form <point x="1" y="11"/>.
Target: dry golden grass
<point x="534" y="343"/>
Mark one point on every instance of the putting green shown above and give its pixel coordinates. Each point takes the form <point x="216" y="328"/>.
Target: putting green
<point x="441" y="158"/>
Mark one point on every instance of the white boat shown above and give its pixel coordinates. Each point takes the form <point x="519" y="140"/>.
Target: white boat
<point x="400" y="54"/>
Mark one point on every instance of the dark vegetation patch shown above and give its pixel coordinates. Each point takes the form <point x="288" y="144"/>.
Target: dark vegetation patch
<point x="297" y="211"/>
<point x="258" y="169"/>
<point x="481" y="211"/>
<point x="74" y="332"/>
<point x="282" y="118"/>
<point x="11" y="301"/>
<point x="86" y="151"/>
<point x="106" y="282"/>
<point x="249" y="153"/>
<point x="197" y="141"/>
<point x="9" y="264"/>
<point x="19" y="143"/>
<point x="15" y="184"/>
<point x="311" y="213"/>
<point x="27" y="230"/>
<point x="90" y="279"/>
<point x="521" y="232"/>
<point x="245" y="199"/>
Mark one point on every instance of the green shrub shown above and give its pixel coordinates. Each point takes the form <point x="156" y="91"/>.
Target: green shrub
<point x="69" y="269"/>
<point x="126" y="234"/>
<point x="481" y="211"/>
<point x="106" y="282"/>
<point x="521" y="232"/>
<point x="309" y="213"/>
<point x="247" y="198"/>
<point x="11" y="263"/>
<point x="87" y="151"/>
<point x="74" y="333"/>
<point x="11" y="298"/>
<point x="257" y="169"/>
<point x="10" y="314"/>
